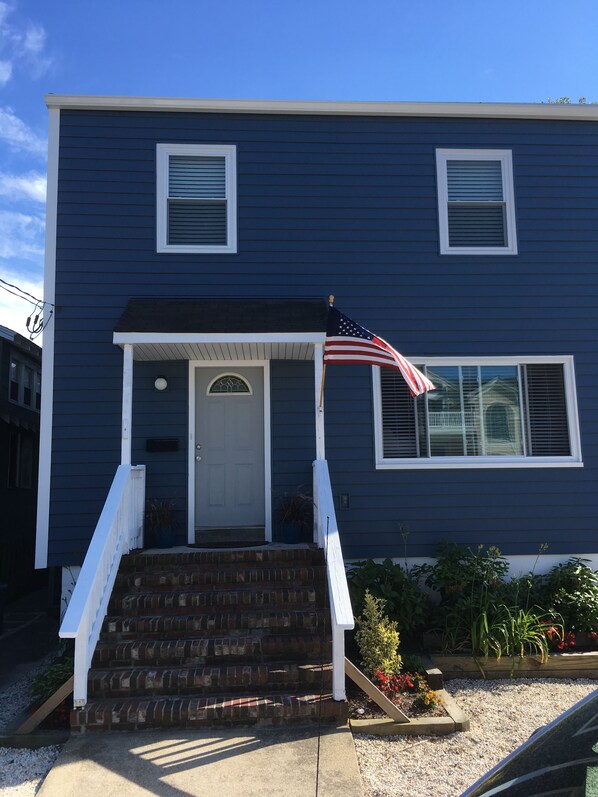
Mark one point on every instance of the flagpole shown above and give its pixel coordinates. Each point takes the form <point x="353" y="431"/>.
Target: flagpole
<point x="330" y="303"/>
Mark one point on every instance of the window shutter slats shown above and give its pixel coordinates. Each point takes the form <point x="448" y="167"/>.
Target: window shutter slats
<point x="474" y="181"/>
<point x="196" y="222"/>
<point x="398" y="416"/>
<point x="476" y="225"/>
<point x="197" y="177"/>
<point x="547" y="411"/>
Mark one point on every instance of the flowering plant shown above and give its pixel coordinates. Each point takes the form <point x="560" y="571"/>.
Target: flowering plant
<point x="427" y="698"/>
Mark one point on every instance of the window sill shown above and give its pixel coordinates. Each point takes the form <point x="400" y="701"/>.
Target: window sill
<point x="481" y="250"/>
<point x="478" y="462"/>
<point x="197" y="250"/>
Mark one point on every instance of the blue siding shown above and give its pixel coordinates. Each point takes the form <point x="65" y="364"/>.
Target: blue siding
<point x="343" y="205"/>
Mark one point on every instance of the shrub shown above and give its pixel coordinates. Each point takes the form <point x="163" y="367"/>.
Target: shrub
<point x="573" y="595"/>
<point x="405" y="601"/>
<point x="46" y="683"/>
<point x="377" y="638"/>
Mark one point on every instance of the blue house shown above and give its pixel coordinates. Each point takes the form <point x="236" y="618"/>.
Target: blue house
<point x="191" y="248"/>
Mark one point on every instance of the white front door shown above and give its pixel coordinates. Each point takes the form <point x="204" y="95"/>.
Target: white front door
<point x="229" y="447"/>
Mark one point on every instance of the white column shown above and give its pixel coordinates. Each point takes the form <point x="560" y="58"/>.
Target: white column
<point x="318" y="371"/>
<point x="125" y="456"/>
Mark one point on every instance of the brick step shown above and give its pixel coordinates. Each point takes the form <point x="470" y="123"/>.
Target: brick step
<point x="197" y="600"/>
<point x="239" y="623"/>
<point x="204" y="680"/>
<point x="280" y="556"/>
<point x="219" y="577"/>
<point x="209" y="650"/>
<point x="278" y="708"/>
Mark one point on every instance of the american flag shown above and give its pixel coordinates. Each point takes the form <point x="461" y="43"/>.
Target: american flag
<point x="347" y="342"/>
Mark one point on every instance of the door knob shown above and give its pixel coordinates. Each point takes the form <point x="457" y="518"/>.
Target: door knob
<point x="198" y="459"/>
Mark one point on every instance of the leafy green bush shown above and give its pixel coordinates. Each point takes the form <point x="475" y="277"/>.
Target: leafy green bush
<point x="458" y="570"/>
<point x="405" y="601"/>
<point x="377" y="638"/>
<point x="46" y="683"/>
<point x="572" y="590"/>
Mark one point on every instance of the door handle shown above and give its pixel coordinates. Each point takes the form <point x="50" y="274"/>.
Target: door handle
<point x="198" y="459"/>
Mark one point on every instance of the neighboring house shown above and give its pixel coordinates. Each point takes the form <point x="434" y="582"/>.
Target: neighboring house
<point x="20" y="399"/>
<point x="202" y="238"/>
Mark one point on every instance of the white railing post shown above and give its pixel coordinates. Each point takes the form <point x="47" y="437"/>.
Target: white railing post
<point x="327" y="537"/>
<point x="127" y="408"/>
<point x="117" y="530"/>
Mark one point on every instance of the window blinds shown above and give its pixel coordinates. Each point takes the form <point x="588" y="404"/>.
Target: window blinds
<point x="197" y="207"/>
<point x="476" y="206"/>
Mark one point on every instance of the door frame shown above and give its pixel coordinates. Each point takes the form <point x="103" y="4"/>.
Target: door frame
<point x="228" y="365"/>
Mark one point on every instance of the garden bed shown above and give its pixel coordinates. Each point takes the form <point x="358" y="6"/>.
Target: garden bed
<point x="557" y="665"/>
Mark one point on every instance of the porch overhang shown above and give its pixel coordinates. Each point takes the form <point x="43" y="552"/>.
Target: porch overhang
<point x="223" y="329"/>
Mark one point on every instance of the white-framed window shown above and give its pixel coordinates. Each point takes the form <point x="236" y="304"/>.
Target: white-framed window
<point x="497" y="412"/>
<point x="196" y="198"/>
<point x="476" y="203"/>
<point x="24" y="384"/>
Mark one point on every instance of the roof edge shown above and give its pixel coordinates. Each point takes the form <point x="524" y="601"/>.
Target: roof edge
<point x="360" y="108"/>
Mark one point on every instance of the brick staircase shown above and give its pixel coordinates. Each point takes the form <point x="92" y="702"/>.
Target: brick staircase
<point x="206" y="638"/>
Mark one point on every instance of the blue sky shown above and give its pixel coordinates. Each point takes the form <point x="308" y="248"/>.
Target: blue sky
<point x="443" y="50"/>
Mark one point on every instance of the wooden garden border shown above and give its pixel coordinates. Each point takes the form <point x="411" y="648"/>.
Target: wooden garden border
<point x="558" y="665"/>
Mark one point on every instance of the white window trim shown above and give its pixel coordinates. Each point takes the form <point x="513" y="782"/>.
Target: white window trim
<point x="506" y="159"/>
<point x="163" y="153"/>
<point x="411" y="463"/>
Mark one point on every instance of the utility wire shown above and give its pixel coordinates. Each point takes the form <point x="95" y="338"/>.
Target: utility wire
<point x="35" y="323"/>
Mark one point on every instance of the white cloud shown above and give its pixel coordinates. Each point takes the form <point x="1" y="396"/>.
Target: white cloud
<point x="18" y="135"/>
<point x="14" y="311"/>
<point x="21" y="47"/>
<point x="21" y="236"/>
<point x="18" y="186"/>
<point x="5" y="72"/>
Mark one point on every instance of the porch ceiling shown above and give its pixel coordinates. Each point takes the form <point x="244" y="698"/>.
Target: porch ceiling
<point x="224" y="351"/>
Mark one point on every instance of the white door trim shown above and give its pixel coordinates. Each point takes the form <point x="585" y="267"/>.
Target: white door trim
<point x="227" y="364"/>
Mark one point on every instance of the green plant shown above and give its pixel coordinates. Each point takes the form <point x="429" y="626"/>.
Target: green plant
<point x="160" y="514"/>
<point x="377" y="638"/>
<point x="405" y="601"/>
<point x="427" y="698"/>
<point x="573" y="594"/>
<point x="46" y="683"/>
<point x="459" y="570"/>
<point x="413" y="663"/>
<point x="297" y="508"/>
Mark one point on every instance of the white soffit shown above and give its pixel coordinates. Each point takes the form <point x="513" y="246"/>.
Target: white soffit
<point x="219" y="352"/>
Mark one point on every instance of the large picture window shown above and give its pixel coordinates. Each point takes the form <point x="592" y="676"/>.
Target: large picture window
<point x="500" y="412"/>
<point x="196" y="198"/>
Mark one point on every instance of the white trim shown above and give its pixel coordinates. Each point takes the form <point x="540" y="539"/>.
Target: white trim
<point x="127" y="405"/>
<point x="163" y="153"/>
<point x="506" y="159"/>
<point x="318" y="385"/>
<point x="442" y="463"/>
<point x="45" y="442"/>
<point x="119" y="338"/>
<point x="224" y="365"/>
<point x="494" y="110"/>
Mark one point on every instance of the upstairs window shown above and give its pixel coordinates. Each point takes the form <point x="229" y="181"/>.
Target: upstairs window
<point x="476" y="207"/>
<point x="499" y="412"/>
<point x="196" y="198"/>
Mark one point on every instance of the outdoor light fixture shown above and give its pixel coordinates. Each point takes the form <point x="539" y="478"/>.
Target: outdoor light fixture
<point x="160" y="383"/>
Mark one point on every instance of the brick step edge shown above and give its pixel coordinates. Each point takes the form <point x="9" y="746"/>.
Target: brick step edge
<point x="244" y="623"/>
<point x="205" y="680"/>
<point x="210" y="650"/>
<point x="192" y="712"/>
<point x="178" y="601"/>
<point x="311" y="555"/>
<point x="191" y="577"/>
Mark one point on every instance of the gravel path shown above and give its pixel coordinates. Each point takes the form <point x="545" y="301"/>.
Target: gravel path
<point x="503" y="714"/>
<point x="21" y="770"/>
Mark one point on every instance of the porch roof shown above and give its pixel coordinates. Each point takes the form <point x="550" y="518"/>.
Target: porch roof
<point x="222" y="329"/>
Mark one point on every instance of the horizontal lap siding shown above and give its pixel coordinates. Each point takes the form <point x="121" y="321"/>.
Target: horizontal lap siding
<point x="344" y="205"/>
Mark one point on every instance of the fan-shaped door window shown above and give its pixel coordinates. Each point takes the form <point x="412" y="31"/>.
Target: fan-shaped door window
<point x="228" y="385"/>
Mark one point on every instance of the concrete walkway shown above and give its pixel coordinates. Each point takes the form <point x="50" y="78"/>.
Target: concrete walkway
<point x="265" y="762"/>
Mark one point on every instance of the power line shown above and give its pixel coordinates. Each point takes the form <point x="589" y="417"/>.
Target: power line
<point x="35" y="323"/>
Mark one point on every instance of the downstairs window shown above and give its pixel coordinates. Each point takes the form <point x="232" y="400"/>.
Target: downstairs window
<point x="500" y="412"/>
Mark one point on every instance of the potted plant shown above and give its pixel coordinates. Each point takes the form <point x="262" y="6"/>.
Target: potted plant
<point x="160" y="522"/>
<point x="295" y="517"/>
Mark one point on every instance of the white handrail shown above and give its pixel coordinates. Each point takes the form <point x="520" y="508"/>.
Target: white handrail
<point x="119" y="530"/>
<point x="327" y="537"/>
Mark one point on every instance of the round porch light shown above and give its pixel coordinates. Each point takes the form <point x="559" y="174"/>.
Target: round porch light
<point x="161" y="383"/>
